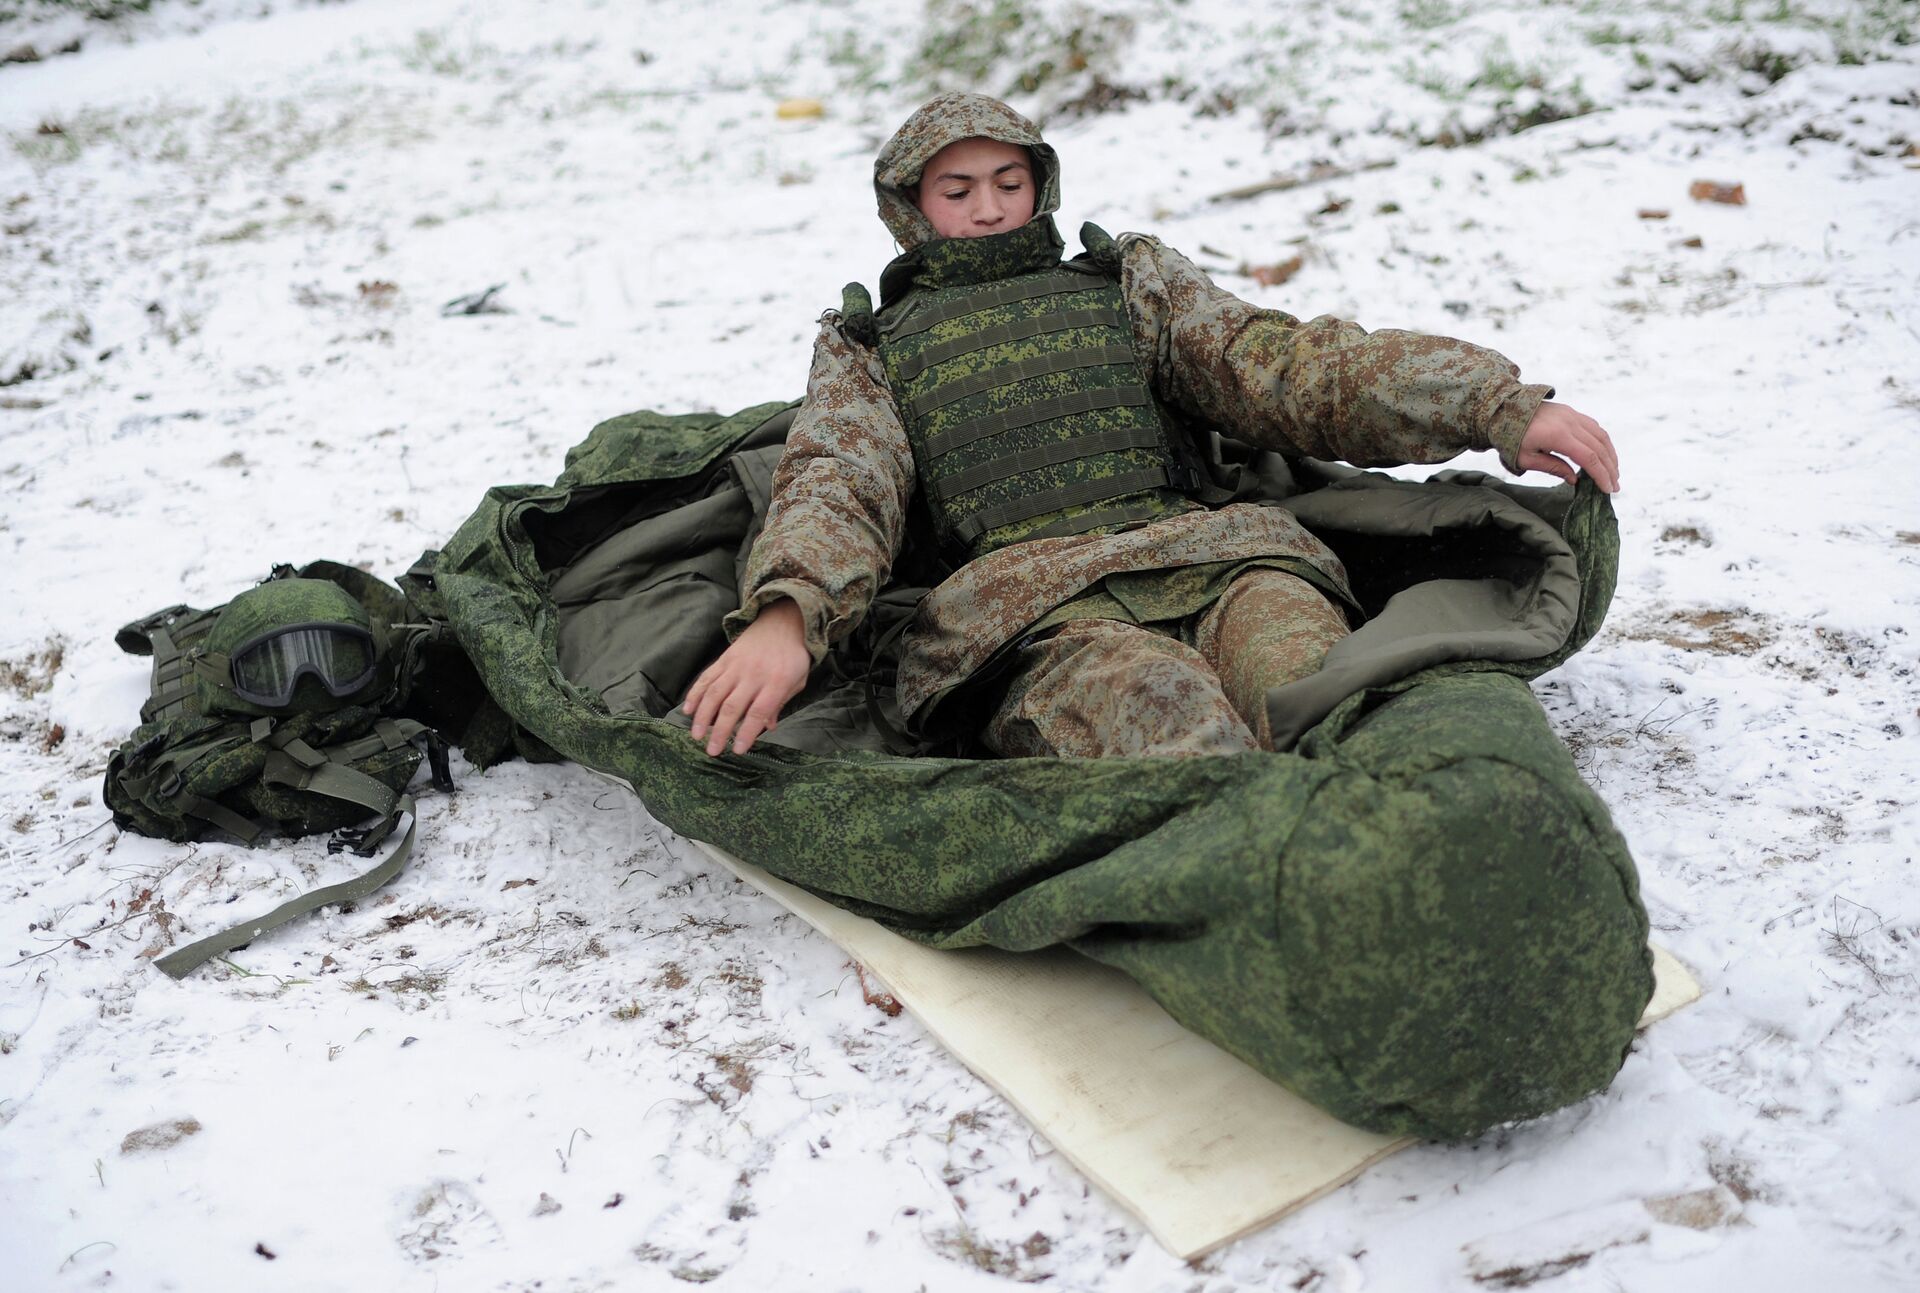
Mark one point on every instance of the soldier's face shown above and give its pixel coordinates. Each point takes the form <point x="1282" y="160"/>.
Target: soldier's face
<point x="976" y="187"/>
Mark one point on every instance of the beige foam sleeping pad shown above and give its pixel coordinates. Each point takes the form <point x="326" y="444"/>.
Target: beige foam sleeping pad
<point x="1192" y="1141"/>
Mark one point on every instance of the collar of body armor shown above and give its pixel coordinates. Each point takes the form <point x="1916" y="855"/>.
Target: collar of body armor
<point x="964" y="262"/>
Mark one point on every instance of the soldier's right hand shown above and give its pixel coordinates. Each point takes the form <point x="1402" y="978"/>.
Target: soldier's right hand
<point x="742" y="693"/>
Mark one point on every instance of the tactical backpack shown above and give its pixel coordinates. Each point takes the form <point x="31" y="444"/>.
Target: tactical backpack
<point x="282" y="710"/>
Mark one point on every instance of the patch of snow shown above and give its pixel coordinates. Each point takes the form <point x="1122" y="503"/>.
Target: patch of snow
<point x="229" y="232"/>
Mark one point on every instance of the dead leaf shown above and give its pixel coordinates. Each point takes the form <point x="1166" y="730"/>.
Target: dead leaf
<point x="1696" y="1209"/>
<point x="1690" y="242"/>
<point x="1733" y="195"/>
<point x="800" y="109"/>
<point x="886" y="1003"/>
<point x="161" y="1135"/>
<point x="514" y="884"/>
<point x="1654" y="213"/>
<point x="1275" y="274"/>
<point x="55" y="734"/>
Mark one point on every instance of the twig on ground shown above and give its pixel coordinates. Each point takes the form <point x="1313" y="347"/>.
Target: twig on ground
<point x="1315" y="175"/>
<point x="1845" y="943"/>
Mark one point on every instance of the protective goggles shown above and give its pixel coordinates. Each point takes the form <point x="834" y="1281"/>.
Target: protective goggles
<point x="267" y="670"/>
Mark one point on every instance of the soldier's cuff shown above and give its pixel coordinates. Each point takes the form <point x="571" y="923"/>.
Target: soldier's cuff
<point x="1509" y="419"/>
<point x="814" y="612"/>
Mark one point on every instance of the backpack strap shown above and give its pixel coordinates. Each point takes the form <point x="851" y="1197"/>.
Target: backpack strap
<point x="327" y="771"/>
<point x="299" y="766"/>
<point x="169" y="636"/>
<point x="178" y="964"/>
<point x="166" y="776"/>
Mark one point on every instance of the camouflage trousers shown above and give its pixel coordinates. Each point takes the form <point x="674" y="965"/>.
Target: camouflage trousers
<point x="1194" y="686"/>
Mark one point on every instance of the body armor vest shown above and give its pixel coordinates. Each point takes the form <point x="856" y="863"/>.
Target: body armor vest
<point x="1028" y="414"/>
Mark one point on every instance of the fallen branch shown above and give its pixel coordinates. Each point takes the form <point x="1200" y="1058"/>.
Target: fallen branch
<point x="1315" y="175"/>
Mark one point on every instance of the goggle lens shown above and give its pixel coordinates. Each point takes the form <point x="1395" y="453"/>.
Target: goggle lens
<point x="268" y="671"/>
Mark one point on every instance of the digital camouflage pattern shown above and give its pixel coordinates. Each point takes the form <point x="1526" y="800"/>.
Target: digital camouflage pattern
<point x="1416" y="917"/>
<point x="1104" y="685"/>
<point x="204" y="759"/>
<point x="1027" y="413"/>
<point x="225" y="774"/>
<point x="942" y="121"/>
<point x="1323" y="388"/>
<point x="276" y="604"/>
<point x="1419" y="918"/>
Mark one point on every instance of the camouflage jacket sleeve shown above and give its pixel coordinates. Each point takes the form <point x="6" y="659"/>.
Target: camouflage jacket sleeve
<point x="1324" y="388"/>
<point x="840" y="497"/>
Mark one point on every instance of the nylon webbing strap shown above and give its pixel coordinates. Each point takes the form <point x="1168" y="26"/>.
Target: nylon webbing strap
<point x="1052" y="500"/>
<point x="172" y="676"/>
<point x="1002" y="333"/>
<point x="209" y="810"/>
<point x="1062" y="361"/>
<point x="1025" y="415"/>
<point x="178" y="964"/>
<point x="1145" y="510"/>
<point x="167" y="775"/>
<point x="162" y="704"/>
<point x="334" y="780"/>
<point x="387" y="734"/>
<point x="1046" y="455"/>
<point x="1014" y="289"/>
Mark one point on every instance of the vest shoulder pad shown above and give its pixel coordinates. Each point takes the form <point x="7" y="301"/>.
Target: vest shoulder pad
<point x="856" y="314"/>
<point x="1102" y="250"/>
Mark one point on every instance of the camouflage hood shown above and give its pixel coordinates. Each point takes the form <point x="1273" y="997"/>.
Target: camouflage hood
<point x="947" y="120"/>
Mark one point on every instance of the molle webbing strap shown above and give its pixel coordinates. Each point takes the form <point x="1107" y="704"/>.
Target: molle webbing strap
<point x="166" y="775"/>
<point x="1026" y="460"/>
<point x="179" y="964"/>
<point x="162" y="704"/>
<point x="301" y="767"/>
<point x="387" y="734"/>
<point x="1025" y="415"/>
<point x="1061" y="361"/>
<point x="1002" y="333"/>
<point x="1142" y="510"/>
<point x="1053" y="500"/>
<point x="1014" y="289"/>
<point x="209" y="810"/>
<point x="172" y="686"/>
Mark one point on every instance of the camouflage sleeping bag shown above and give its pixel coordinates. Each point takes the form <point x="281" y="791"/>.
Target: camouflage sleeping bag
<point x="1417" y="917"/>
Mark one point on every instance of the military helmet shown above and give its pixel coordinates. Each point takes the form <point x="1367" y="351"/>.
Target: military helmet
<point x="288" y="646"/>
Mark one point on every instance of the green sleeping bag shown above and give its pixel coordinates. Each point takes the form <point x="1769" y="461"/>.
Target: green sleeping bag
<point x="1417" y="917"/>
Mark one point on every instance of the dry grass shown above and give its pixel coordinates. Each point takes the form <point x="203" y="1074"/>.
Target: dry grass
<point x="35" y="672"/>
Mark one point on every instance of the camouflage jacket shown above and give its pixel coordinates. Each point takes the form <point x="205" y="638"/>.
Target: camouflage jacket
<point x="1324" y="388"/>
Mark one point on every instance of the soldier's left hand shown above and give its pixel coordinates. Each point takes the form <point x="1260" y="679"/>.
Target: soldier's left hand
<point x="1558" y="434"/>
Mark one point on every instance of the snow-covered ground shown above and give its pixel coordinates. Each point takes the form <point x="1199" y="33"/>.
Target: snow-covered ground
<point x="563" y="1052"/>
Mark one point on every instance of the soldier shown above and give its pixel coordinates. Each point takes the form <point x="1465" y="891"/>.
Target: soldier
<point x="1032" y="405"/>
